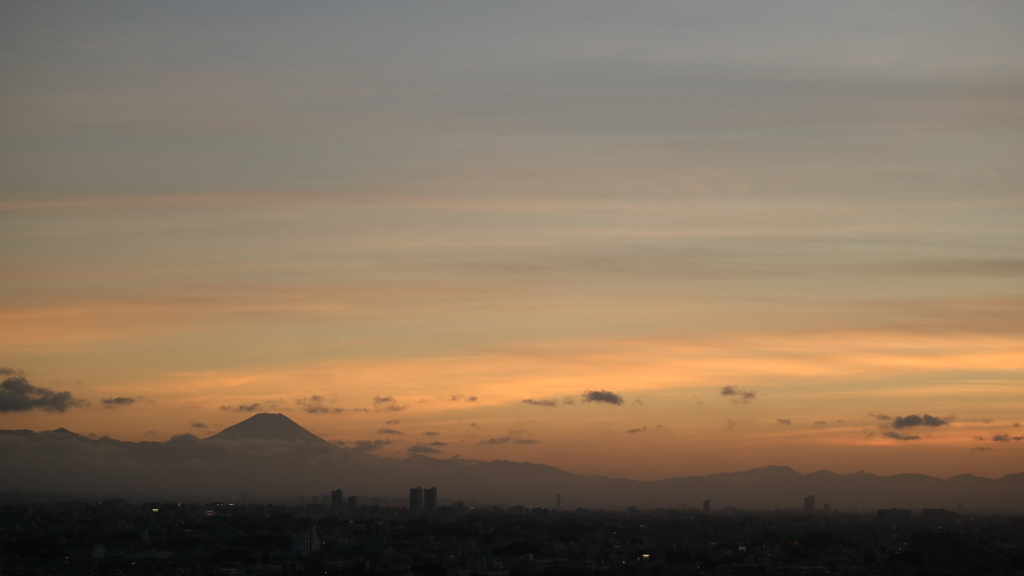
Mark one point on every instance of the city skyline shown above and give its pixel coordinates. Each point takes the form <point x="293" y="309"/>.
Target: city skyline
<point x="642" y="241"/>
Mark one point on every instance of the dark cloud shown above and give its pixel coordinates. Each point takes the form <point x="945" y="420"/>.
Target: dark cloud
<point x="393" y="422"/>
<point x="979" y="438"/>
<point x="430" y="433"/>
<point x="526" y="441"/>
<point x="389" y="431"/>
<point x="421" y="449"/>
<point x="183" y="440"/>
<point x="438" y="444"/>
<point x="5" y="371"/>
<point x="912" y="420"/>
<point x="880" y="416"/>
<point x="548" y="403"/>
<point x="243" y="407"/>
<point x="603" y="396"/>
<point x="981" y="449"/>
<point x="316" y="404"/>
<point x="463" y="398"/>
<point x="17" y="395"/>
<point x="198" y="425"/>
<point x="785" y="421"/>
<point x="1006" y="438"/>
<point x="898" y="436"/>
<point x="115" y="402"/>
<point x="569" y="401"/>
<point x="636" y="430"/>
<point x="737" y="394"/>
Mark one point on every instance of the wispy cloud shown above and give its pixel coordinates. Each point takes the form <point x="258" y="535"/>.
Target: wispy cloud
<point x="117" y="402"/>
<point x="316" y="404"/>
<point x="386" y="404"/>
<point x="243" y="407"/>
<point x="898" y="436"/>
<point x="785" y="421"/>
<point x="738" y="395"/>
<point x="389" y="431"/>
<point x="462" y="398"/>
<point x="421" y="449"/>
<point x="546" y="403"/>
<point x="366" y="445"/>
<point x="507" y="440"/>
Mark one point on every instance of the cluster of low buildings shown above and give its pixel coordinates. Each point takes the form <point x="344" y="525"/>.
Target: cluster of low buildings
<point x="337" y="536"/>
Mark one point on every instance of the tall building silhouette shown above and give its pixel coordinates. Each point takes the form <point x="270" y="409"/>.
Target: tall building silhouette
<point x="337" y="500"/>
<point x="430" y="500"/>
<point x="416" y="499"/>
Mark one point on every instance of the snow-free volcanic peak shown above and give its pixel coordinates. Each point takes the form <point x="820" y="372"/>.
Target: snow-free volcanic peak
<point x="265" y="426"/>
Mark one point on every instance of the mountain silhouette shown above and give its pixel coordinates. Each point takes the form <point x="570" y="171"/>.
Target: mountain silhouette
<point x="271" y="456"/>
<point x="266" y="426"/>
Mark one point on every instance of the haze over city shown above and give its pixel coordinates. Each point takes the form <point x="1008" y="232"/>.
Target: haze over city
<point x="641" y="240"/>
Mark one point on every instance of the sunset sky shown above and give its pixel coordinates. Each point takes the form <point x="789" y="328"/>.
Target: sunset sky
<point x="641" y="239"/>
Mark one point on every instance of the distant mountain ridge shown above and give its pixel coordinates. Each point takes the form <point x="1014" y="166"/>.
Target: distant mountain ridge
<point x="269" y="455"/>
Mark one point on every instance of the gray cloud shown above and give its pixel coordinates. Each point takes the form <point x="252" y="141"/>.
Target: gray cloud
<point x="316" y="405"/>
<point x="367" y="445"/>
<point x="981" y="449"/>
<point x="17" y="395"/>
<point x="636" y="430"/>
<point x="507" y="440"/>
<point x="393" y="422"/>
<point x="785" y="421"/>
<point x="386" y="404"/>
<point x="430" y="433"/>
<point x="738" y="394"/>
<point x="389" y="431"/>
<point x="820" y="423"/>
<point x="438" y="444"/>
<point x="421" y="449"/>
<point x="463" y="398"/>
<point x="115" y="402"/>
<point x="602" y="396"/>
<point x="915" y="420"/>
<point x="1006" y="438"/>
<point x="880" y="416"/>
<point x="494" y="441"/>
<point x="198" y="425"/>
<point x="243" y="407"/>
<point x="547" y="403"/>
<point x="898" y="436"/>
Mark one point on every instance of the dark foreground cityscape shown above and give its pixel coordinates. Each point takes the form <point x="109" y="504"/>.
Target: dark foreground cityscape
<point x="335" y="535"/>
